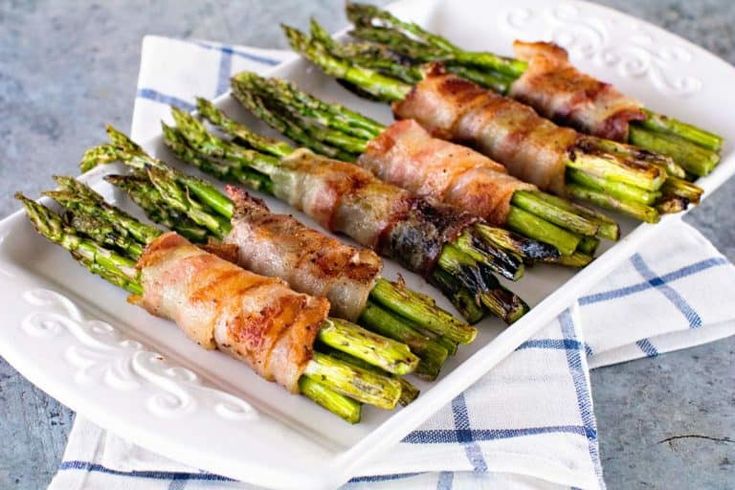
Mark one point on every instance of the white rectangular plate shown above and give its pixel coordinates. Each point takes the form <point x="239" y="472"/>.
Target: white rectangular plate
<point x="74" y="335"/>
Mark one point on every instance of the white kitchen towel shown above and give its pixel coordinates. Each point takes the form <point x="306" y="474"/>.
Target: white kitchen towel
<point x="527" y="424"/>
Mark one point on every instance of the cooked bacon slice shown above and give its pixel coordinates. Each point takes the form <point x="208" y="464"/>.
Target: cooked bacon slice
<point x="219" y="305"/>
<point x="348" y="199"/>
<point x="277" y="245"/>
<point x="532" y="148"/>
<point x="406" y="155"/>
<point x="556" y="89"/>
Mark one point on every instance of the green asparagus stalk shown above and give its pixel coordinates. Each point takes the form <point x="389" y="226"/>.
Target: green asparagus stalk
<point x="639" y="211"/>
<point x="363" y="15"/>
<point x="593" y="144"/>
<point x="665" y="124"/>
<point x="576" y="260"/>
<point x="607" y="227"/>
<point x="497" y="299"/>
<point x="379" y="86"/>
<point x="537" y="228"/>
<point x="340" y="405"/>
<point x="362" y="385"/>
<point x="101" y="231"/>
<point x="432" y="354"/>
<point x="588" y="246"/>
<point x="409" y="392"/>
<point x="390" y="355"/>
<point x="695" y="159"/>
<point x="75" y="195"/>
<point x="619" y="190"/>
<point x="414" y="305"/>
<point x="146" y="196"/>
<point x="683" y="189"/>
<point x="115" y="268"/>
<point x="164" y="181"/>
<point x="462" y="299"/>
<point x="565" y="218"/>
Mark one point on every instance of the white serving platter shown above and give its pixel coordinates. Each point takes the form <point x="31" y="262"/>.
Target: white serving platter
<point x="75" y="336"/>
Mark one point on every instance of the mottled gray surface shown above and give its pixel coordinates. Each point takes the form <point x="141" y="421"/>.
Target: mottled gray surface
<point x="66" y="68"/>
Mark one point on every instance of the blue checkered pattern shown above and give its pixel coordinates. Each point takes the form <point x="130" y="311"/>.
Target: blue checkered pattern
<point x="528" y="423"/>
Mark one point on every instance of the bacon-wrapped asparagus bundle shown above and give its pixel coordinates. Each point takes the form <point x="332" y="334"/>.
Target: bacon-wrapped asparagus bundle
<point x="256" y="319"/>
<point x="347" y="199"/>
<point x="310" y="262"/>
<point x="406" y="155"/>
<point x="611" y="174"/>
<point x="542" y="77"/>
<point x="92" y="215"/>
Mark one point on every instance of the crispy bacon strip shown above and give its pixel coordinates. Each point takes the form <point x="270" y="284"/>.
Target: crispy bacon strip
<point x="532" y="148"/>
<point x="406" y="155"/>
<point x="277" y="245"/>
<point x="219" y="305"/>
<point x="348" y="199"/>
<point x="556" y="89"/>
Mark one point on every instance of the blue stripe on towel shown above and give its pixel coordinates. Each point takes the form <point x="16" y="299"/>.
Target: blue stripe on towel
<point x="156" y="475"/>
<point x="647" y="347"/>
<point x="666" y="278"/>
<point x="449" y="436"/>
<point x="550" y="344"/>
<point x="379" y="478"/>
<point x="236" y="52"/>
<point x="445" y="480"/>
<point x="671" y="294"/>
<point x="156" y="96"/>
<point x="581" y="388"/>
<point x="225" y="67"/>
<point x="464" y="434"/>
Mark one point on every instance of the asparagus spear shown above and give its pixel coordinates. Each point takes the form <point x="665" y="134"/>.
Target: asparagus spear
<point x="113" y="267"/>
<point x="363" y="15"/>
<point x="466" y="303"/>
<point x="432" y="354"/>
<point x="340" y="405"/>
<point x="490" y="293"/>
<point x="409" y="392"/>
<point x="146" y="196"/>
<point x="362" y="385"/>
<point x="368" y="346"/>
<point x="397" y="295"/>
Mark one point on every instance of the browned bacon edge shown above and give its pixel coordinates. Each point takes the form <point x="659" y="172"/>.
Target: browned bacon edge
<point x="555" y="88"/>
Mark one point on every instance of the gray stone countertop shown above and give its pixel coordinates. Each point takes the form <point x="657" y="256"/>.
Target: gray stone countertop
<point x="67" y="68"/>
